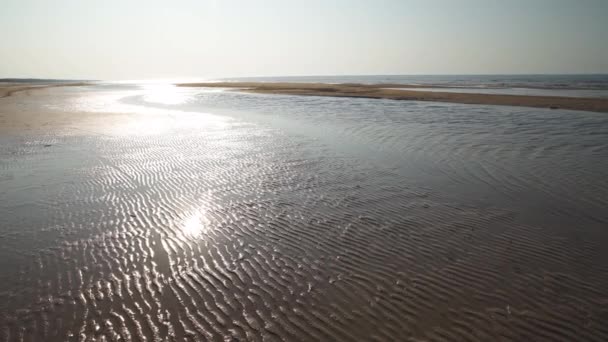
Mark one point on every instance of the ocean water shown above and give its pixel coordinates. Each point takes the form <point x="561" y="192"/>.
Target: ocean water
<point x="518" y="91"/>
<point x="207" y="214"/>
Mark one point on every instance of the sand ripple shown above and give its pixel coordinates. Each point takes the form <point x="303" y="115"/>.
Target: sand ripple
<point x="237" y="231"/>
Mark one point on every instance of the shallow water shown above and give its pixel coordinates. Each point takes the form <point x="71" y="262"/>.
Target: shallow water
<point x="519" y="91"/>
<point x="215" y="215"/>
<point x="572" y="81"/>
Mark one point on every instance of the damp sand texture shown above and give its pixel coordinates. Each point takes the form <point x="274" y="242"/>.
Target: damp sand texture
<point x="153" y="223"/>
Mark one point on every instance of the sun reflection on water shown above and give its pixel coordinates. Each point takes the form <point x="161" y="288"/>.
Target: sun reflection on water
<point x="131" y="111"/>
<point x="194" y="226"/>
<point x="168" y="94"/>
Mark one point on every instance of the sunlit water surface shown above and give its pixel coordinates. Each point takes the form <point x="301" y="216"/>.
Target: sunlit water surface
<point x="197" y="214"/>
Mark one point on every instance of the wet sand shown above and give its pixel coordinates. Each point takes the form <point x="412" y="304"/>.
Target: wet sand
<point x="163" y="225"/>
<point x="380" y="91"/>
<point x="17" y="118"/>
<point x="9" y="89"/>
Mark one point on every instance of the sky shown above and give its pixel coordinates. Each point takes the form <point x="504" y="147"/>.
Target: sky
<point x="137" y="39"/>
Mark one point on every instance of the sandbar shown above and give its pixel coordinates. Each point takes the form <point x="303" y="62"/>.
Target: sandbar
<point x="380" y="91"/>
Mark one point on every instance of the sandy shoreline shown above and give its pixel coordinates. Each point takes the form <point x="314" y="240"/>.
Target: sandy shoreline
<point x="9" y="89"/>
<point x="380" y="91"/>
<point x="129" y="221"/>
<point x="21" y="110"/>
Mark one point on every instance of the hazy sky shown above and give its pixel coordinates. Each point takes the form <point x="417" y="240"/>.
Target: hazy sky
<point x="133" y="39"/>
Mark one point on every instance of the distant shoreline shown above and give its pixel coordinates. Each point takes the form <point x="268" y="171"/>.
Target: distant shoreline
<point x="17" y="118"/>
<point x="381" y="91"/>
<point x="8" y="89"/>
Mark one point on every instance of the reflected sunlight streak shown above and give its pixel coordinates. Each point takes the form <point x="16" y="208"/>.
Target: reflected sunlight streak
<point x="166" y="94"/>
<point x="194" y="226"/>
<point x="147" y="120"/>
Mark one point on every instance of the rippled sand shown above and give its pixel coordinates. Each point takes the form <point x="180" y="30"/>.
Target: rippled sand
<point x="155" y="224"/>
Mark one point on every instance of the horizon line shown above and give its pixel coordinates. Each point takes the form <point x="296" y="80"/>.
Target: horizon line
<point x="5" y="79"/>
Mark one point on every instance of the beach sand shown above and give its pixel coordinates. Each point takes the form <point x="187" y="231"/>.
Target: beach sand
<point x="9" y="89"/>
<point x="382" y="91"/>
<point x="188" y="226"/>
<point x="22" y="109"/>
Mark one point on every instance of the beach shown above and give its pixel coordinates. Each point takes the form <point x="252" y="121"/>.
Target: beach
<point x="7" y="88"/>
<point x="392" y="92"/>
<point x="132" y="212"/>
<point x="23" y="110"/>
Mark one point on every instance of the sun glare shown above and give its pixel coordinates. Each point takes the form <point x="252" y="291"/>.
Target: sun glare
<point x="168" y="94"/>
<point x="194" y="225"/>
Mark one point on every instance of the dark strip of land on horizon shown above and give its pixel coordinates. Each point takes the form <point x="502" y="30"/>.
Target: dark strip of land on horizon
<point x="388" y="91"/>
<point x="9" y="89"/>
